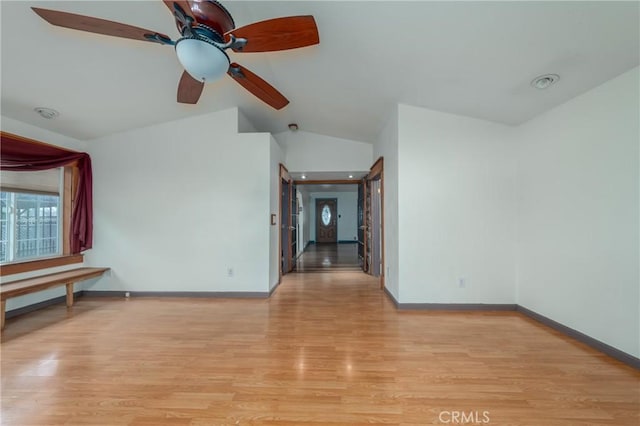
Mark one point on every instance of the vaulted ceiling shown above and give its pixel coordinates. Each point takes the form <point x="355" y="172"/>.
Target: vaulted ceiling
<point x="470" y="58"/>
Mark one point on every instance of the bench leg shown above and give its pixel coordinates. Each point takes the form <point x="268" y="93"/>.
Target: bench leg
<point x="4" y="304"/>
<point x="69" y="295"/>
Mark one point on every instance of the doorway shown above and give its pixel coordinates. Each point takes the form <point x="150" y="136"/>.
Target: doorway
<point x="375" y="237"/>
<point x="371" y="222"/>
<point x="288" y="241"/>
<point x="373" y="218"/>
<point x="326" y="220"/>
<point x="324" y="246"/>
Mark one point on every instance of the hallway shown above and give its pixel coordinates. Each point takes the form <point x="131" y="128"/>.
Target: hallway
<point x="329" y="258"/>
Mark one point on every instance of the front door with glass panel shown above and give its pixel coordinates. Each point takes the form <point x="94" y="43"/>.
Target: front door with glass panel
<point x="327" y="220"/>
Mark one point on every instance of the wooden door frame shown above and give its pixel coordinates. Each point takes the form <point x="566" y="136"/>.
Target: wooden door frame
<point x="365" y="211"/>
<point x="283" y="175"/>
<point x="377" y="172"/>
<point x="327" y="182"/>
<point x="293" y="211"/>
<point x="363" y="226"/>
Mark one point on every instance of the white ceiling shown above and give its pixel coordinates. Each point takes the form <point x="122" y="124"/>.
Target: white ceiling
<point x="308" y="188"/>
<point x="311" y="176"/>
<point x="469" y="58"/>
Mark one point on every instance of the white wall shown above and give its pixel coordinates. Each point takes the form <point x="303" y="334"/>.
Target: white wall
<point x="386" y="146"/>
<point x="276" y="157"/>
<point x="310" y="152"/>
<point x="244" y="124"/>
<point x="22" y="129"/>
<point x="347" y="212"/>
<point x="457" y="208"/>
<point x="306" y="222"/>
<point x="28" y="131"/>
<point x="578" y="209"/>
<point x="177" y="204"/>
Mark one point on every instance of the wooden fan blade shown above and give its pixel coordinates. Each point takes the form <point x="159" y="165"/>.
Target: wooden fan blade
<point x="278" y="34"/>
<point x="260" y="88"/>
<point x="189" y="89"/>
<point x="95" y="25"/>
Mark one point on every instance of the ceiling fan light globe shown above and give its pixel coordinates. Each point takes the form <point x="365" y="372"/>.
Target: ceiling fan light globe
<point x="203" y="60"/>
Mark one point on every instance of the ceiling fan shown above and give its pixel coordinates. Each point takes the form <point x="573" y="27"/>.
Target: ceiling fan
<point x="207" y="30"/>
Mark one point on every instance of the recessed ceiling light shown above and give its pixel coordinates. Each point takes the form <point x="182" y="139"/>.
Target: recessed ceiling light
<point x="304" y="176"/>
<point x="47" y="113"/>
<point x="293" y="127"/>
<point x="544" y="81"/>
<point x="350" y="176"/>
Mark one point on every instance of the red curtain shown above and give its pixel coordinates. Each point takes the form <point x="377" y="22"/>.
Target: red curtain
<point x="18" y="154"/>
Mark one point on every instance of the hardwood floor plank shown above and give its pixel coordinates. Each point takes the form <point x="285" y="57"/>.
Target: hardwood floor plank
<point x="329" y="257"/>
<point x="325" y="349"/>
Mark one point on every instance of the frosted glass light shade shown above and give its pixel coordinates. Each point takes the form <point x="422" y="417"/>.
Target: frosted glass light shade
<point x="202" y="60"/>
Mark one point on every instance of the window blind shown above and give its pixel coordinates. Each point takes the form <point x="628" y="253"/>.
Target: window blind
<point x="40" y="182"/>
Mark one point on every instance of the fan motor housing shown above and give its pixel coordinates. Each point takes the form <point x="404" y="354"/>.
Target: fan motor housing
<point x="212" y="14"/>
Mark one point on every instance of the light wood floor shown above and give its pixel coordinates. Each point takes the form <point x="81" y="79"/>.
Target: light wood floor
<point x="329" y="258"/>
<point x="324" y="349"/>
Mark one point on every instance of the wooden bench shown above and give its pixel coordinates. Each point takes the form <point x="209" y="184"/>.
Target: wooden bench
<point x="43" y="282"/>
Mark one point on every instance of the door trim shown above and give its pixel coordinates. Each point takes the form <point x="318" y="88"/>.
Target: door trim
<point x="282" y="175"/>
<point x="377" y="172"/>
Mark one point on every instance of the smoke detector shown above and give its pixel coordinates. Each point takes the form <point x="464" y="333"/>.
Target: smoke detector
<point x="47" y="113"/>
<point x="544" y="81"/>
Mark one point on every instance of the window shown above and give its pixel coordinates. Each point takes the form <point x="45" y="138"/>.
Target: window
<point x="36" y="168"/>
<point x="30" y="215"/>
<point x="30" y="226"/>
<point x="326" y="215"/>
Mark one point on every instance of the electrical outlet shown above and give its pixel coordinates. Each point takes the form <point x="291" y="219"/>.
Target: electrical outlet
<point x="127" y="294"/>
<point x="229" y="272"/>
<point x="462" y="282"/>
